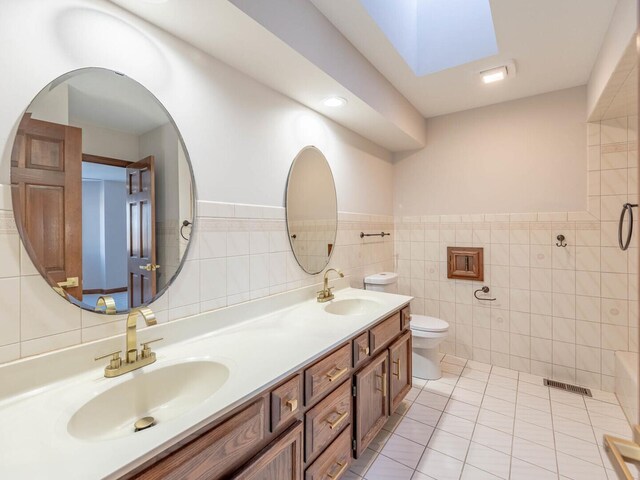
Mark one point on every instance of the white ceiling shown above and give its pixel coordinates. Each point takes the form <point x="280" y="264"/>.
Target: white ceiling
<point x="310" y="49"/>
<point x="224" y="31"/>
<point x="620" y="96"/>
<point x="553" y="42"/>
<point x="105" y="99"/>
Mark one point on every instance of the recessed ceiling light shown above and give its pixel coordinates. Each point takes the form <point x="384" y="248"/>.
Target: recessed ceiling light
<point x="334" y="101"/>
<point x="494" y="75"/>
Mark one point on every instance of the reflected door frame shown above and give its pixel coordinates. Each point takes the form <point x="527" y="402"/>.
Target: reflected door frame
<point x="141" y="232"/>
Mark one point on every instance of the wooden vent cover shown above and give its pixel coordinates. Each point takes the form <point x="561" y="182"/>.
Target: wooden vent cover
<point x="465" y="263"/>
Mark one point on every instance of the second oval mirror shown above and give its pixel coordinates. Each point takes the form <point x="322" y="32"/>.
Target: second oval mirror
<point x="312" y="210"/>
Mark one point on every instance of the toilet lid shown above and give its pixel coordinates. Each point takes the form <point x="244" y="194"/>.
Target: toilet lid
<point x="428" y="324"/>
<point x="382" y="278"/>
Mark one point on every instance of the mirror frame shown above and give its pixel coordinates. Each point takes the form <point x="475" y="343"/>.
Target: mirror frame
<point x="286" y="209"/>
<point x="194" y="220"/>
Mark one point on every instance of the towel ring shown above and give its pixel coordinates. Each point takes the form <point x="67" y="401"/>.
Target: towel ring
<point x="185" y="223"/>
<point x="625" y="244"/>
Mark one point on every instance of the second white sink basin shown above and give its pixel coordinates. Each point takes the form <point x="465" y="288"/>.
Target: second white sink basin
<point x="163" y="394"/>
<point x="352" y="306"/>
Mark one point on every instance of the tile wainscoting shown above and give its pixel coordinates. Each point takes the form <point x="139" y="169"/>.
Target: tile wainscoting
<point x="560" y="312"/>
<point x="239" y="253"/>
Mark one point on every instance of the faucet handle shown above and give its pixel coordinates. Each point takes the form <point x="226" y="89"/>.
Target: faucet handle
<point x="115" y="361"/>
<point x="146" y="350"/>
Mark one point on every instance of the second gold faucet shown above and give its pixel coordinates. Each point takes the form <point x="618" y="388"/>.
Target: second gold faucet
<point x="325" y="294"/>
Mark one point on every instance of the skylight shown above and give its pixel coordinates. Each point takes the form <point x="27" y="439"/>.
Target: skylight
<point x="433" y="35"/>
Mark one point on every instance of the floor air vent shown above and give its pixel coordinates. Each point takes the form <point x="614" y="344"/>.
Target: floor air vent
<point x="567" y="387"/>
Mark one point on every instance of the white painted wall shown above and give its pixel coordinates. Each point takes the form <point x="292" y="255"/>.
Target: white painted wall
<point x="241" y="136"/>
<point x="162" y="144"/>
<point x="52" y="105"/>
<point x="92" y="235"/>
<point x="106" y="142"/>
<point x="115" y="228"/>
<point x="526" y="155"/>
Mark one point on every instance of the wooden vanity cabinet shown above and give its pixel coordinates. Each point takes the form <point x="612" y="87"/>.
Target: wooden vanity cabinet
<point x="371" y="401"/>
<point x="311" y="424"/>
<point x="400" y="375"/>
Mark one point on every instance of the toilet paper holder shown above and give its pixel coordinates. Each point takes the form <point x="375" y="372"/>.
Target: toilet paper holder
<point x="484" y="289"/>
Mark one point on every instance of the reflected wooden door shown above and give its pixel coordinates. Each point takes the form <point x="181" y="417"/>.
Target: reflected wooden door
<point x="46" y="187"/>
<point x="141" y="232"/>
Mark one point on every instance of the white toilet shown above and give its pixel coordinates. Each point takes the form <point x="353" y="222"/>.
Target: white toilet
<point x="427" y="332"/>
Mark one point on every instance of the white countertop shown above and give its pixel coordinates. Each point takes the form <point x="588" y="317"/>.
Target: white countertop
<point x="259" y="350"/>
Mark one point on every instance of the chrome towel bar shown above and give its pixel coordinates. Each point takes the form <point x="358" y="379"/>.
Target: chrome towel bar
<point x="381" y="234"/>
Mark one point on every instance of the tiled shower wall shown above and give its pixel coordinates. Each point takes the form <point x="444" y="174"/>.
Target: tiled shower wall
<point x="559" y="311"/>
<point x="239" y="253"/>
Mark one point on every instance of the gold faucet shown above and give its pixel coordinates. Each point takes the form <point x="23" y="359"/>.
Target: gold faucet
<point x="133" y="359"/>
<point x="325" y="294"/>
<point x="108" y="303"/>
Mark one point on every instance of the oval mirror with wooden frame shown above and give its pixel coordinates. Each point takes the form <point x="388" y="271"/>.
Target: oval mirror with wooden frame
<point x="101" y="184"/>
<point x="312" y="210"/>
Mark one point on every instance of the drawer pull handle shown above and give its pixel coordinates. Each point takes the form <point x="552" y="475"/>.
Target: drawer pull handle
<point x="336" y="423"/>
<point x="336" y="373"/>
<point x="343" y="467"/>
<point x="292" y="404"/>
<point x="364" y="350"/>
<point x="383" y="380"/>
<point x="397" y="374"/>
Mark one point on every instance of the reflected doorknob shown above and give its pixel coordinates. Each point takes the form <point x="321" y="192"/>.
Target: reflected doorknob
<point x="149" y="267"/>
<point x="71" y="282"/>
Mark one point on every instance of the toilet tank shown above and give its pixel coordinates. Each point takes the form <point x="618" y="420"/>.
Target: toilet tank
<point x="382" y="282"/>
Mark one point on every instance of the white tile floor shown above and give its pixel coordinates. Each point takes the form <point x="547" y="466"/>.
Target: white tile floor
<point x="481" y="422"/>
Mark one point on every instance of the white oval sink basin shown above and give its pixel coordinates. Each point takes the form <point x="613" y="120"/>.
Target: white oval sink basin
<point x="352" y="306"/>
<point x="164" y="394"/>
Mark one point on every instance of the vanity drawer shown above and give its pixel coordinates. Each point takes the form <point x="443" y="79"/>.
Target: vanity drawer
<point x="286" y="402"/>
<point x="324" y="375"/>
<point x="405" y="315"/>
<point x="324" y="422"/>
<point x="360" y="349"/>
<point x="217" y="451"/>
<point x="334" y="461"/>
<point x="384" y="332"/>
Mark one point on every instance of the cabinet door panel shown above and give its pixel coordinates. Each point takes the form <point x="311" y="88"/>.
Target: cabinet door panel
<point x="281" y="460"/>
<point x="400" y="377"/>
<point x="372" y="405"/>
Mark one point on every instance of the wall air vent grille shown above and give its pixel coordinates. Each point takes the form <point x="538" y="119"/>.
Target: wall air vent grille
<point x="567" y="387"/>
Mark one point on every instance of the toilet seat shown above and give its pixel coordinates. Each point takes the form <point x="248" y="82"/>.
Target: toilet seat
<point x="423" y="323"/>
